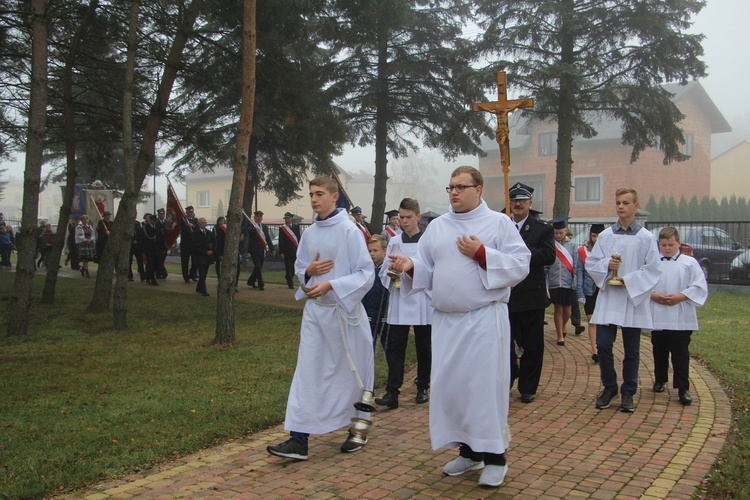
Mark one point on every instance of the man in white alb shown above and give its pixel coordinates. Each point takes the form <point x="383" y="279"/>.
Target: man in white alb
<point x="469" y="258"/>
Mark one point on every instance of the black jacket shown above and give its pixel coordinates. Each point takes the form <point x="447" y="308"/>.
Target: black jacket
<point x="531" y="293"/>
<point x="286" y="245"/>
<point x="202" y="242"/>
<point x="255" y="245"/>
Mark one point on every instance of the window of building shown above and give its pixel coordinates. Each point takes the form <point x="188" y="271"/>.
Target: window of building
<point x="547" y="144"/>
<point x="587" y="189"/>
<point x="687" y="148"/>
<point x="204" y="199"/>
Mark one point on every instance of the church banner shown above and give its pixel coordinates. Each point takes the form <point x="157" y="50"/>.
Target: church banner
<point x="174" y="215"/>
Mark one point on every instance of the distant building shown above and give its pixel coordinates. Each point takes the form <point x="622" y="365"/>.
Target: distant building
<point x="601" y="164"/>
<point x="729" y="172"/>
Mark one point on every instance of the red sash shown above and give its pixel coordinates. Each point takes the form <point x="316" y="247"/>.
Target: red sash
<point x="291" y="235"/>
<point x="564" y="259"/>
<point x="260" y="235"/>
<point x="390" y="232"/>
<point x="364" y="231"/>
<point x="583" y="254"/>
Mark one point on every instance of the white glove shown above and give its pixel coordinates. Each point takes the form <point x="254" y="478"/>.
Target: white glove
<point x="582" y="300"/>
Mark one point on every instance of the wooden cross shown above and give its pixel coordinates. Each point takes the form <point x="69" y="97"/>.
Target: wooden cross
<point x="501" y="108"/>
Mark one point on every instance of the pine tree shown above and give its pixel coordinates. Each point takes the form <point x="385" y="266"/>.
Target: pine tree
<point x="683" y="212"/>
<point x="743" y="210"/>
<point x="706" y="209"/>
<point x="734" y="209"/>
<point x="664" y="210"/>
<point x="715" y="210"/>
<point x="724" y="212"/>
<point x="694" y="209"/>
<point x="652" y="208"/>
<point x="582" y="60"/>
<point x="674" y="215"/>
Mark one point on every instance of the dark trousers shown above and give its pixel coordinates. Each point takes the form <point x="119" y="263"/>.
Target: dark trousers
<point x="631" y="342"/>
<point x="527" y="332"/>
<point x="189" y="271"/>
<point x="257" y="274"/>
<point x="575" y="314"/>
<point x="465" y="451"/>
<point x="136" y="253"/>
<point x="378" y="327"/>
<point x="5" y="256"/>
<point x="395" y="355"/>
<point x="151" y="264"/>
<point x="161" y="270"/>
<point x="289" y="268"/>
<point x="201" y="263"/>
<point x="674" y="342"/>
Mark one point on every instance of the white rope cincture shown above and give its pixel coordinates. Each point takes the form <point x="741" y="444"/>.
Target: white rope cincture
<point x="341" y="317"/>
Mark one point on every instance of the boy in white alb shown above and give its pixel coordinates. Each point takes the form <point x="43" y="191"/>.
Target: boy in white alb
<point x="405" y="311"/>
<point x="335" y="361"/>
<point x="630" y="251"/>
<point x="681" y="288"/>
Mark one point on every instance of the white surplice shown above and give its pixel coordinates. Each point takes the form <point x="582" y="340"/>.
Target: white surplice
<point x="335" y="360"/>
<point x="684" y="275"/>
<point x="470" y="330"/>
<point x="403" y="309"/>
<point x="627" y="305"/>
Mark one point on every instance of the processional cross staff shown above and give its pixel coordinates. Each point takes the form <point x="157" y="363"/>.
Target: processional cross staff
<point x="501" y="108"/>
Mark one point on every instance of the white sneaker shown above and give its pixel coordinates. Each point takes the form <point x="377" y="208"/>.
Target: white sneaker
<point x="461" y="465"/>
<point x="493" y="475"/>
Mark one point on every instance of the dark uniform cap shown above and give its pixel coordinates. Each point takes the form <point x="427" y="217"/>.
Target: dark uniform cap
<point x="188" y="208"/>
<point x="106" y="212"/>
<point x="520" y="191"/>
<point x="391" y="213"/>
<point x="559" y="223"/>
<point x="288" y="214"/>
<point x="596" y="228"/>
<point x="161" y="211"/>
<point x="356" y="210"/>
<point x="258" y="213"/>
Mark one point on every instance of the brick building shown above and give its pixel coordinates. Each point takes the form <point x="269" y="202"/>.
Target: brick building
<point x="601" y="164"/>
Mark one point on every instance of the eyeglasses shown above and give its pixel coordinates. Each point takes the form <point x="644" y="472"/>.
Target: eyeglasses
<point x="460" y="188"/>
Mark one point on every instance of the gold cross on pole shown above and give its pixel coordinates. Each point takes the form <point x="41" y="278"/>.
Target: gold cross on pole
<point x="501" y="108"/>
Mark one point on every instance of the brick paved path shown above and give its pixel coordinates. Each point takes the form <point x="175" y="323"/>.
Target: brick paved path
<point x="562" y="447"/>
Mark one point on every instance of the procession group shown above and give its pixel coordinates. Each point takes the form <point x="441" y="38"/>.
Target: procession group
<point x="474" y="286"/>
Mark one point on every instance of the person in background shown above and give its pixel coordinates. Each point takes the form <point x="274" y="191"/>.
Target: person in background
<point x="289" y="235"/>
<point x="161" y="246"/>
<point x="376" y="299"/>
<point x="529" y="299"/>
<point x="681" y="288"/>
<point x="202" y="252"/>
<point x="188" y="226"/>
<point x="586" y="289"/>
<point x="85" y="242"/>
<point x="359" y="220"/>
<point x="393" y="226"/>
<point x="259" y="244"/>
<point x="103" y="228"/>
<point x="5" y="247"/>
<point x="561" y="280"/>
<point x="70" y="240"/>
<point x="219" y="237"/>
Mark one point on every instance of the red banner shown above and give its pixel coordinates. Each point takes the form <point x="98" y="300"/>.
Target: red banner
<point x="174" y="215"/>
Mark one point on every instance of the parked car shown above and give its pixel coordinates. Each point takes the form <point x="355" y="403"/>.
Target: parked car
<point x="713" y="248"/>
<point x="739" y="270"/>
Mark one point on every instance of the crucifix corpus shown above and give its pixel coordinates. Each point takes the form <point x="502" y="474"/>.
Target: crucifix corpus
<point x="501" y="108"/>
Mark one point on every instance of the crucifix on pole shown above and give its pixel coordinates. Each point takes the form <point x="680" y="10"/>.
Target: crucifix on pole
<point x="501" y="108"/>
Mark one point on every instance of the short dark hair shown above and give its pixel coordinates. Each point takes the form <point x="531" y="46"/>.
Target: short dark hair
<point x="410" y="204"/>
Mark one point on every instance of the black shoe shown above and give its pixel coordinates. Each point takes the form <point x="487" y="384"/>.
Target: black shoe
<point x="261" y="288"/>
<point x="626" y="404"/>
<point x="350" y="446"/>
<point x="252" y="284"/>
<point x="205" y="294"/>
<point x="422" y="396"/>
<point x="527" y="398"/>
<point x="187" y="280"/>
<point x="390" y="400"/>
<point x="83" y="272"/>
<point x="605" y="398"/>
<point x="289" y="449"/>
<point x="153" y="282"/>
<point x="595" y="358"/>
<point x="659" y="387"/>
<point x="560" y="342"/>
<point x="580" y="329"/>
<point x="685" y="398"/>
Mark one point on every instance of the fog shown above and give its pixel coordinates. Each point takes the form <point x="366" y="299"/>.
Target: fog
<point x="724" y="24"/>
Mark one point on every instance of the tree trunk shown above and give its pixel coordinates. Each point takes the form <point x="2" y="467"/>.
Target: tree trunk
<point x="120" y="300"/>
<point x="565" y="120"/>
<point x="382" y="117"/>
<point x="26" y="267"/>
<point x="50" y="283"/>
<point x="225" y="300"/>
<point x="122" y="225"/>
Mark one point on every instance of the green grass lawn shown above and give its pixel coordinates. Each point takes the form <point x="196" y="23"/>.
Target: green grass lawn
<point x="80" y="404"/>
